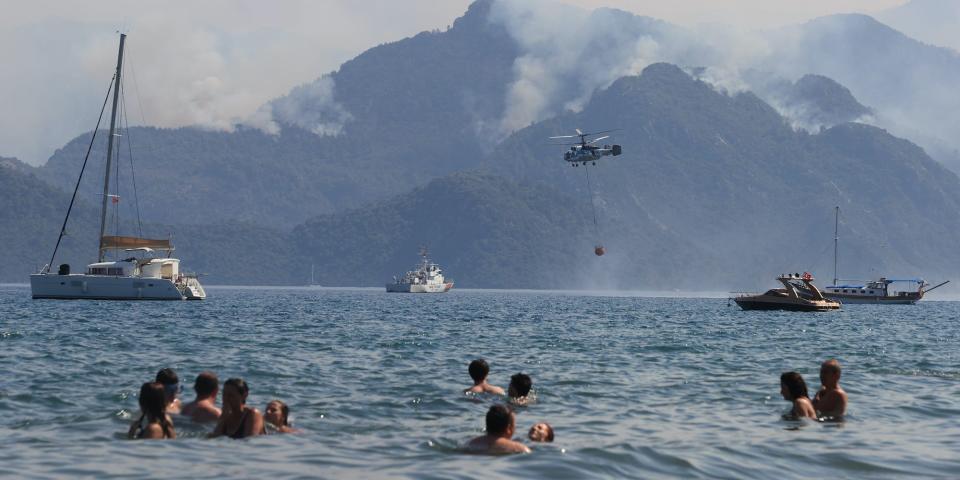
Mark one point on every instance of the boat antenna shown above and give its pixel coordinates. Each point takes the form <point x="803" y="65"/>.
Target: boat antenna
<point x="113" y="126"/>
<point x="63" y="228"/>
<point x="836" y="241"/>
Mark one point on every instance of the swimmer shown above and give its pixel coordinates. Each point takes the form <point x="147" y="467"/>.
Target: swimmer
<point x="501" y="424"/>
<point x="238" y="420"/>
<point x="479" y="370"/>
<point x="204" y="408"/>
<point x="276" y="416"/>
<point x="519" y="389"/>
<point x="171" y="385"/>
<point x="794" y="390"/>
<point x="831" y="400"/>
<point x="154" y="423"/>
<point x="541" y="432"/>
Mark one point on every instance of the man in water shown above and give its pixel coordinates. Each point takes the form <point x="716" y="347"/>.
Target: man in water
<point x="519" y="389"/>
<point x="204" y="408"/>
<point x="501" y="424"/>
<point x="479" y="370"/>
<point x="831" y="400"/>
<point x="171" y="387"/>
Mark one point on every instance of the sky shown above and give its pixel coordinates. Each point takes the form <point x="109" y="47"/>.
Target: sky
<point x="214" y="63"/>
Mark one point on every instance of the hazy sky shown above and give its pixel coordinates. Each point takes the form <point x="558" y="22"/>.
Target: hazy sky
<point x="213" y="62"/>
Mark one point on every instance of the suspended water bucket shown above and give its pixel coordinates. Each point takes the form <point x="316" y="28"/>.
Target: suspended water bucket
<point x="599" y="250"/>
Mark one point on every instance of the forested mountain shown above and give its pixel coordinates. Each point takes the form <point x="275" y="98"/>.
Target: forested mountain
<point x="30" y="219"/>
<point x="410" y="143"/>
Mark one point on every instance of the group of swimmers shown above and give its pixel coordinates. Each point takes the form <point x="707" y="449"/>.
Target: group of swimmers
<point x="235" y="419"/>
<point x="501" y="420"/>
<point x="830" y="402"/>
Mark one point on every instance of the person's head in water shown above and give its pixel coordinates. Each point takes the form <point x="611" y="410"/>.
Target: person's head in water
<point x="206" y="385"/>
<point x="520" y="385"/>
<point x="500" y="421"/>
<point x="153" y="404"/>
<point x="792" y="386"/>
<point x="479" y="370"/>
<point x="235" y="392"/>
<point x="541" y="432"/>
<point x="830" y="373"/>
<point x="277" y="413"/>
<point x="171" y="383"/>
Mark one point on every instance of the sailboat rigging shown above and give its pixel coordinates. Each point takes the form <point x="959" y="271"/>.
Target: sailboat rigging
<point x="875" y="291"/>
<point x="147" y="277"/>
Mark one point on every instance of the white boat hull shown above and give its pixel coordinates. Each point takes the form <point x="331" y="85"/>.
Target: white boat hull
<point x="419" y="288"/>
<point x="101" y="287"/>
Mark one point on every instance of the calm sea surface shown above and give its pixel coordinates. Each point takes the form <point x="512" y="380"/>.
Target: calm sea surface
<point x="635" y="387"/>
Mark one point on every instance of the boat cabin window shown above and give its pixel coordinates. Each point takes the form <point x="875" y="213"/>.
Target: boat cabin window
<point x="844" y="291"/>
<point x="871" y="292"/>
<point x="106" y="271"/>
<point x="863" y="291"/>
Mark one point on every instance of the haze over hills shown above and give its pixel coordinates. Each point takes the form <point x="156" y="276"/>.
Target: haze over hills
<point x="439" y="139"/>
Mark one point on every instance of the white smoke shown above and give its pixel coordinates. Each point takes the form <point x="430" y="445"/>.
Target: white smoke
<point x="567" y="55"/>
<point x="210" y="64"/>
<point x="311" y="107"/>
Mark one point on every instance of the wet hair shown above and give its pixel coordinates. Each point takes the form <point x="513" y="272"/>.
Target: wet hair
<point x="795" y="385"/>
<point x="284" y="412"/>
<point x="549" y="433"/>
<point x="167" y="377"/>
<point x="206" y="384"/>
<point x="479" y="370"/>
<point x="521" y="384"/>
<point x="153" y="404"/>
<point x="830" y="366"/>
<point x="499" y="418"/>
<point x="239" y="384"/>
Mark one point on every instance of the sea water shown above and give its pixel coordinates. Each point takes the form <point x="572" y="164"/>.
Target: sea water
<point x="634" y="386"/>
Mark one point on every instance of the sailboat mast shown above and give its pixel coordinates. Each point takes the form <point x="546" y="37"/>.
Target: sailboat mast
<point x="113" y="126"/>
<point x="836" y="240"/>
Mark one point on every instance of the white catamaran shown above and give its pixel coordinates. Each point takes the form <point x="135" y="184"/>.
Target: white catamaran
<point x="142" y="274"/>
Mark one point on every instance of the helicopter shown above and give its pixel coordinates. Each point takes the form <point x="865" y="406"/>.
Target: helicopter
<point x="585" y="151"/>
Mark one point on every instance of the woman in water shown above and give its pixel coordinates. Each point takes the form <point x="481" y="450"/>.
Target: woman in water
<point x="153" y="422"/>
<point x="277" y="415"/>
<point x="794" y="390"/>
<point x="238" y="420"/>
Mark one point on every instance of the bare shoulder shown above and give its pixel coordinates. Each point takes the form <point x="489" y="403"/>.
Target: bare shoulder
<point x="510" y="446"/>
<point x="494" y="390"/>
<point x="153" y="430"/>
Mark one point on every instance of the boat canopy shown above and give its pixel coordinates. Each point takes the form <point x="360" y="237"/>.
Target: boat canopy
<point x="910" y="280"/>
<point x="109" y="242"/>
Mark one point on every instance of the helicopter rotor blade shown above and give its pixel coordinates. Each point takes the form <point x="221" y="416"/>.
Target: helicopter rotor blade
<point x="580" y="133"/>
<point x="600" y="132"/>
<point x="563" y="136"/>
<point x="595" y="140"/>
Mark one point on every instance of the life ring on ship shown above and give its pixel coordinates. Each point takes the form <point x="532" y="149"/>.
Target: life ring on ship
<point x="807" y="276"/>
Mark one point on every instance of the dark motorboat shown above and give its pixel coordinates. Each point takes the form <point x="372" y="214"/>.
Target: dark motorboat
<point x="798" y="294"/>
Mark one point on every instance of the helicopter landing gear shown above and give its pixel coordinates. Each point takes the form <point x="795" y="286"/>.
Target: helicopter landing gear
<point x="594" y="163"/>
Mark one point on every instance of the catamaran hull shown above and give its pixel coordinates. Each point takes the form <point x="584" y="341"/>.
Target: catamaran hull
<point x="99" y="287"/>
<point x="412" y="288"/>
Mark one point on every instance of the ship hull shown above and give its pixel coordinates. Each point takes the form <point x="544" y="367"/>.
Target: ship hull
<point x="99" y="287"/>
<point x="754" y="303"/>
<point x="875" y="300"/>
<point x="419" y="288"/>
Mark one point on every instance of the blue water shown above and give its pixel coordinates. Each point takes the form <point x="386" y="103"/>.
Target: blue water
<point x="638" y="387"/>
